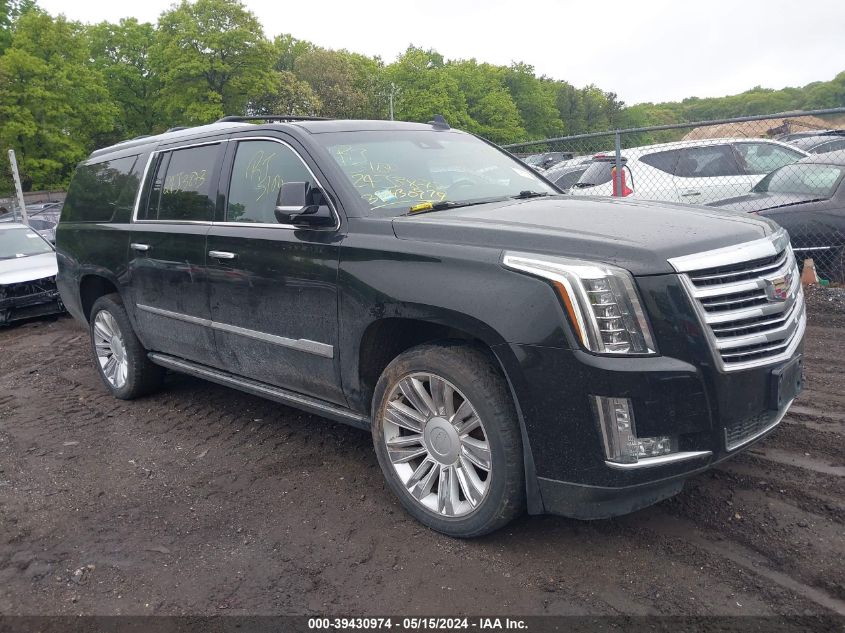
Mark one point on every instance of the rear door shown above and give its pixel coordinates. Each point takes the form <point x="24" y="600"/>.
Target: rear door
<point x="709" y="172"/>
<point x="167" y="256"/>
<point x="273" y="287"/>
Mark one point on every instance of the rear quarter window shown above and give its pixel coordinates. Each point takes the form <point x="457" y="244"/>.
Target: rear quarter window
<point x="99" y="190"/>
<point x="665" y="161"/>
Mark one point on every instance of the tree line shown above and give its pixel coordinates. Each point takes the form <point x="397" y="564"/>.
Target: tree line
<point x="67" y="88"/>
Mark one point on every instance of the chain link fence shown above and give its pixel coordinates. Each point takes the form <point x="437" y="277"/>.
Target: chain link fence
<point x="788" y="167"/>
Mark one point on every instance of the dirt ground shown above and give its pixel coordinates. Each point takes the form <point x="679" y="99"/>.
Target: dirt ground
<point x="203" y="500"/>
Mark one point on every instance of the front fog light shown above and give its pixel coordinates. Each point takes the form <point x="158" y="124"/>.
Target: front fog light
<point x="619" y="433"/>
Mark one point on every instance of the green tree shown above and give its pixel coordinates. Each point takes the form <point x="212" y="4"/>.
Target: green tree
<point x="535" y="98"/>
<point x="10" y="11"/>
<point x="425" y="88"/>
<point x="212" y="59"/>
<point x="287" y="49"/>
<point x="493" y="113"/>
<point x="53" y="104"/>
<point x="347" y="85"/>
<point x="121" y="52"/>
<point x="289" y="95"/>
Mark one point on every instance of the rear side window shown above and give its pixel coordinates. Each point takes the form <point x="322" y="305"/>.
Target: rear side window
<point x="181" y="187"/>
<point x="596" y="174"/>
<point x="98" y="190"/>
<point x="568" y="179"/>
<point x="763" y="158"/>
<point x="710" y="161"/>
<point x="259" y="171"/>
<point x="665" y="161"/>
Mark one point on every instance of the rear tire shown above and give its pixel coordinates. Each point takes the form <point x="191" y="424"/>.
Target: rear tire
<point x="119" y="357"/>
<point x="448" y="441"/>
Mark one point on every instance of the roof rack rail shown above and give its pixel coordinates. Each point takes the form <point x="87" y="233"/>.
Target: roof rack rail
<point x="176" y="128"/>
<point x="269" y="117"/>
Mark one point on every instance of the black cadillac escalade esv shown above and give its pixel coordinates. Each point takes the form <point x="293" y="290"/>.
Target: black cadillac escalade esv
<point x="509" y="347"/>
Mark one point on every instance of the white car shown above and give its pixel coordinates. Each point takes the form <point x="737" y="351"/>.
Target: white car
<point x="27" y="274"/>
<point x="688" y="171"/>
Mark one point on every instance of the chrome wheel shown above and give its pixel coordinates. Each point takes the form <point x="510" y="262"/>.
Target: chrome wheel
<point x="437" y="444"/>
<point x="110" y="348"/>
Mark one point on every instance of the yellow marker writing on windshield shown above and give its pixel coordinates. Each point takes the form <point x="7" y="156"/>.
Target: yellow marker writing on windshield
<point x="423" y="206"/>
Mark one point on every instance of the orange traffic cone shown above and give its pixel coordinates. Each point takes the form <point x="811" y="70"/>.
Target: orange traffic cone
<point x="808" y="275"/>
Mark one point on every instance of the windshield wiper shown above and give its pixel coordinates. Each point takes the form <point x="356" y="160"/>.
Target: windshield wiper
<point x="427" y="207"/>
<point x="523" y="195"/>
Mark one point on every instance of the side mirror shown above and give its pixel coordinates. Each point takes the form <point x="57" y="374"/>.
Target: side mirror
<point x="302" y="205"/>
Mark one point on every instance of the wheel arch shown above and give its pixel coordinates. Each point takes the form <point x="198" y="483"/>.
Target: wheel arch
<point x="386" y="338"/>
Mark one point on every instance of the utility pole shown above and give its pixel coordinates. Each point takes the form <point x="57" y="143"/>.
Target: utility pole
<point x="392" y="92"/>
<point x="14" y="164"/>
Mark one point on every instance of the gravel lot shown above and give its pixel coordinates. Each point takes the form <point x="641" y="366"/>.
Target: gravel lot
<point x="203" y="500"/>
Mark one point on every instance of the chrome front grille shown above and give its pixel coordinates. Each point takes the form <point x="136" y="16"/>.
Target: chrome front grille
<point x="749" y="299"/>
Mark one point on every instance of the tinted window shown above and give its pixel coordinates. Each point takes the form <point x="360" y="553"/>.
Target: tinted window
<point x="260" y="169"/>
<point x="762" y="158"/>
<point x="181" y="188"/>
<point x="98" y="190"/>
<point x="803" y="179"/>
<point x="707" y="162"/>
<point x="568" y="179"/>
<point x="664" y="161"/>
<point x="597" y="173"/>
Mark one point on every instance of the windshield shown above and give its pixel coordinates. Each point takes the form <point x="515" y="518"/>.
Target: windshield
<point x="396" y="170"/>
<point x="803" y="179"/>
<point x="21" y="242"/>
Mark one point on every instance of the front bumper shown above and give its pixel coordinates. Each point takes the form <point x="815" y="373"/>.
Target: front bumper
<point x="696" y="403"/>
<point x="29" y="299"/>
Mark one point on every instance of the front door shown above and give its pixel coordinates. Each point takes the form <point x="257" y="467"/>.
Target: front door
<point x="708" y="173"/>
<point x="273" y="288"/>
<point x="167" y="254"/>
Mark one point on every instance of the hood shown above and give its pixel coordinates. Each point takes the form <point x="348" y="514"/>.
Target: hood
<point x="19" y="269"/>
<point x="637" y="235"/>
<point x="761" y="201"/>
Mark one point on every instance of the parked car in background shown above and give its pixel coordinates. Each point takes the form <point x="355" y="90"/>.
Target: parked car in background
<point x="27" y="274"/>
<point x="806" y="198"/>
<point x="821" y="143"/>
<point x="547" y="159"/>
<point x="792" y="136"/>
<point x="689" y="171"/>
<point x="566" y="173"/>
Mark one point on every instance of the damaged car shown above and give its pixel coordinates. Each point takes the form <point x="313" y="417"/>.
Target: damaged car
<point x="27" y="274"/>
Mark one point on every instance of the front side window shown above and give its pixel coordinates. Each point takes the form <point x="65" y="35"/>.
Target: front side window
<point x="803" y="179"/>
<point x="396" y="170"/>
<point x="181" y="188"/>
<point x="710" y="161"/>
<point x="21" y="242"/>
<point x="259" y="171"/>
<point x="763" y="158"/>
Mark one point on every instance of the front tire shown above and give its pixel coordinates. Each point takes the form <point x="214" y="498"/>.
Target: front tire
<point x="120" y="358"/>
<point x="448" y="441"/>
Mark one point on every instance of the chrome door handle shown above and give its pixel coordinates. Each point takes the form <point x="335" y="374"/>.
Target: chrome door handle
<point x="139" y="247"/>
<point x="221" y="255"/>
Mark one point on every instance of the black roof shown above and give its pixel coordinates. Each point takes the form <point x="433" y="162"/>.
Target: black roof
<point x="311" y="126"/>
<point x="827" y="158"/>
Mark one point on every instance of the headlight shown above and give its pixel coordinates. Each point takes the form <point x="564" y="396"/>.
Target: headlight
<point x="600" y="299"/>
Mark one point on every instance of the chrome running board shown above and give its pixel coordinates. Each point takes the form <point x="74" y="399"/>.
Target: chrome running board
<point x="306" y="403"/>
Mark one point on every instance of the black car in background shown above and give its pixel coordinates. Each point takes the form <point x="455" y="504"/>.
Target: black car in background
<point x="547" y="159"/>
<point x="821" y="143"/>
<point x="806" y="198"/>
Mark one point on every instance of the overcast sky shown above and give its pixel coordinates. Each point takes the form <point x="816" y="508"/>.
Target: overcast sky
<point x="651" y="50"/>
